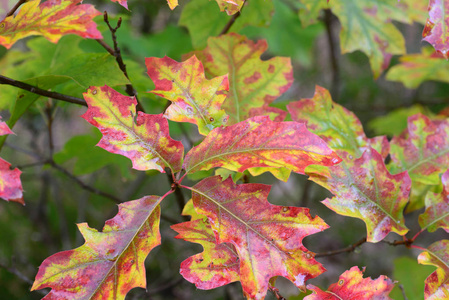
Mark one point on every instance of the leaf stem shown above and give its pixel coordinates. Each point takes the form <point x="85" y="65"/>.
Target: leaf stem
<point x="232" y="20"/>
<point x="350" y="248"/>
<point x="13" y="10"/>
<point x="34" y="89"/>
<point x="276" y="293"/>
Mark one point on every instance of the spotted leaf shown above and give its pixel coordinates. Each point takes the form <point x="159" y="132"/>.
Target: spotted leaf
<point x="143" y="138"/>
<point x="435" y="32"/>
<point x="268" y="238"/>
<point x="437" y="284"/>
<point x="437" y="208"/>
<point x="253" y="83"/>
<point x="423" y="149"/>
<point x="352" y="286"/>
<point x="52" y="19"/>
<point x="194" y="98"/>
<point x="111" y="262"/>
<point x="260" y="142"/>
<point x="364" y="189"/>
<point x="337" y="126"/>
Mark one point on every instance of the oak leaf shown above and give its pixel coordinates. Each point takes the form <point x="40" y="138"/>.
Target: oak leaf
<point x="437" y="284"/>
<point x="143" y="138"/>
<point x="435" y="32"/>
<point x="52" y="19"/>
<point x="111" y="262"/>
<point x="260" y="142"/>
<point x="194" y="98"/>
<point x="268" y="238"/>
<point x="352" y="286"/>
<point x="253" y="83"/>
<point x="364" y="189"/>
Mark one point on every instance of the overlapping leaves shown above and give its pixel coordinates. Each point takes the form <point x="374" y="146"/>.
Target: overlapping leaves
<point x="194" y="98"/>
<point x="111" y="262"/>
<point x="143" y="138"/>
<point x="268" y="238"/>
<point x="437" y="284"/>
<point x="352" y="286"/>
<point x="253" y="83"/>
<point x="52" y="19"/>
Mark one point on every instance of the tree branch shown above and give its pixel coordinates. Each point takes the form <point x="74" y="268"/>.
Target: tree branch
<point x="347" y="249"/>
<point x="232" y="20"/>
<point x="276" y="293"/>
<point x="329" y="21"/>
<point x="34" y="89"/>
<point x="13" y="10"/>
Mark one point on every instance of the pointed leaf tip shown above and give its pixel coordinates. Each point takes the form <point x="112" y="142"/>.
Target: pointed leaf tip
<point x="144" y="139"/>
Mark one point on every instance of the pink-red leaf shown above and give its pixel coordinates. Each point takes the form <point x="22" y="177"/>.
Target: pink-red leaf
<point x="110" y="263"/>
<point x="337" y="126"/>
<point x="260" y="142"/>
<point x="52" y="19"/>
<point x="268" y="238"/>
<point x="437" y="208"/>
<point x="436" y="29"/>
<point x="194" y="98"/>
<point x="253" y="83"/>
<point x="364" y="189"/>
<point x="145" y="140"/>
<point x="423" y="150"/>
<point x="352" y="286"/>
<point x="437" y="284"/>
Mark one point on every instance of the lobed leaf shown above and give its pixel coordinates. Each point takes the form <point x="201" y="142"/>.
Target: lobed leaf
<point x="415" y="69"/>
<point x="423" y="150"/>
<point x="110" y="263"/>
<point x="52" y="19"/>
<point x="260" y="142"/>
<point x="253" y="83"/>
<point x="143" y="138"/>
<point x="352" y="286"/>
<point x="194" y="98"/>
<point x="437" y="208"/>
<point x="435" y="32"/>
<point x="337" y="126"/>
<point x="437" y="284"/>
<point x="364" y="189"/>
<point x="268" y="238"/>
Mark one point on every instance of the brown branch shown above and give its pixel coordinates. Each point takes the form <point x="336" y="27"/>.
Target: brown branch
<point x="407" y="243"/>
<point x="329" y="21"/>
<point x="180" y="200"/>
<point x="34" y="89"/>
<point x="13" y="10"/>
<point x="347" y="249"/>
<point x="130" y="90"/>
<point x="232" y="20"/>
<point x="276" y="293"/>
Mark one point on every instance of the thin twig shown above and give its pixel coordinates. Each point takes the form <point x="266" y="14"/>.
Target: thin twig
<point x="180" y="200"/>
<point x="406" y="242"/>
<point x="39" y="91"/>
<point x="276" y="293"/>
<point x="347" y="249"/>
<point x="329" y="23"/>
<point x="13" y="10"/>
<point x="401" y="287"/>
<point x="231" y="22"/>
<point x="130" y="90"/>
<point x="163" y="287"/>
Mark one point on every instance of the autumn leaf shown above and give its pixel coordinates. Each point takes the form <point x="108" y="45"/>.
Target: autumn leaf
<point x="143" y="138"/>
<point x="260" y="142"/>
<point x="366" y="26"/>
<point x="352" y="286"/>
<point x="111" y="262"/>
<point x="423" y="150"/>
<point x="52" y="19"/>
<point x="415" y="69"/>
<point x="253" y="83"/>
<point x="337" y="126"/>
<point x="435" y="32"/>
<point x="268" y="238"/>
<point x="437" y="284"/>
<point x="364" y="189"/>
<point x="10" y="184"/>
<point x="437" y="208"/>
<point x="229" y="6"/>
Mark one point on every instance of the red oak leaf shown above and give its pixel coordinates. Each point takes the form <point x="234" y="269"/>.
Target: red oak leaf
<point x="352" y="286"/>
<point x="52" y="19"/>
<point x="437" y="284"/>
<point x="110" y="263"/>
<point x="194" y="98"/>
<point x="260" y="142"/>
<point x="268" y="238"/>
<point x="144" y="139"/>
<point x="364" y="189"/>
<point x="435" y="32"/>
